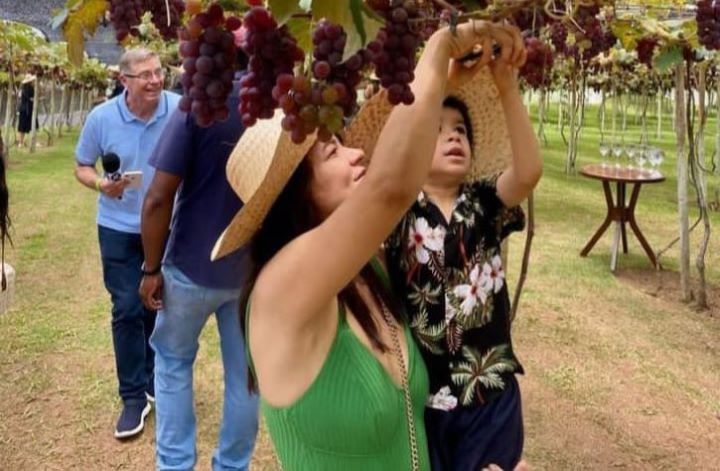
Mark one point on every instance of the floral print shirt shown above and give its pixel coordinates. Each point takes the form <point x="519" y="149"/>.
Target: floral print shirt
<point x="451" y="279"/>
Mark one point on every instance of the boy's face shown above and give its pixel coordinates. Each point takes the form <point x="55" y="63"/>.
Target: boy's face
<point x="451" y="161"/>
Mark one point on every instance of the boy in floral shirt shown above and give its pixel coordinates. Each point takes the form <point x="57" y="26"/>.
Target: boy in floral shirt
<point x="444" y="258"/>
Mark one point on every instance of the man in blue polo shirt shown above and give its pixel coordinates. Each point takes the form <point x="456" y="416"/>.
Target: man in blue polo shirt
<point x="128" y="125"/>
<point x="190" y="288"/>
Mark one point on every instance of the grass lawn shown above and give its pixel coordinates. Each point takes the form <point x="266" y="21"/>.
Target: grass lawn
<point x="619" y="374"/>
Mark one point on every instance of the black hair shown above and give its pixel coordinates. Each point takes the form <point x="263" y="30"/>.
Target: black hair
<point x="459" y="105"/>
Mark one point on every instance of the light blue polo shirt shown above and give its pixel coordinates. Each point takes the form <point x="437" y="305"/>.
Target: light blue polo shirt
<point x="111" y="127"/>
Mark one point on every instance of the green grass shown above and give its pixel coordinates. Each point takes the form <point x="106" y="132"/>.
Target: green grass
<point x="619" y="373"/>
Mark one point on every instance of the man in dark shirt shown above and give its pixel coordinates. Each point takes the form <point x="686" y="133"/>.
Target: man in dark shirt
<point x="189" y="288"/>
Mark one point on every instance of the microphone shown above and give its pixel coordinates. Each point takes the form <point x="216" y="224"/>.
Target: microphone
<point x="111" y="165"/>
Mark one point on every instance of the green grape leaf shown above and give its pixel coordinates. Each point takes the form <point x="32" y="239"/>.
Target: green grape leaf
<point x="301" y="29"/>
<point x="282" y="10"/>
<point x="359" y="26"/>
<point x="668" y="57"/>
<point x="627" y="32"/>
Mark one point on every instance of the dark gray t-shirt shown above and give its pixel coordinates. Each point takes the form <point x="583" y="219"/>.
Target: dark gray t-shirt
<point x="205" y="202"/>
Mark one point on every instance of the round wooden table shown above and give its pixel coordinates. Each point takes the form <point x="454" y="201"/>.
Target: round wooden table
<point x="618" y="211"/>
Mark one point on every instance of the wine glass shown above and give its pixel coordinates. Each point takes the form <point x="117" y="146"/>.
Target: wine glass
<point x="617" y="151"/>
<point x="604" y="152"/>
<point x="643" y="155"/>
<point x="631" y="151"/>
<point x="656" y="158"/>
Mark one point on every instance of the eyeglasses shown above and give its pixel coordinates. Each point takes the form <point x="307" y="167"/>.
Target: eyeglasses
<point x="147" y="74"/>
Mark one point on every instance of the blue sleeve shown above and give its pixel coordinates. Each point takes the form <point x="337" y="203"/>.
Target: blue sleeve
<point x="174" y="149"/>
<point x="88" y="148"/>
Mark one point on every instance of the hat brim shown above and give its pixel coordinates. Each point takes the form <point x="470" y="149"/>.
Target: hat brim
<point x="259" y="200"/>
<point x="491" y="141"/>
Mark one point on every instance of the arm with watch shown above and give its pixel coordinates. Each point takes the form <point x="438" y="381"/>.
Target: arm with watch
<point x="155" y="225"/>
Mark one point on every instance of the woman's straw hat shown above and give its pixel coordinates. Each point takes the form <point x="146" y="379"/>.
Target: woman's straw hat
<point x="28" y="78"/>
<point x="258" y="169"/>
<point x="491" y="148"/>
<point x="265" y="158"/>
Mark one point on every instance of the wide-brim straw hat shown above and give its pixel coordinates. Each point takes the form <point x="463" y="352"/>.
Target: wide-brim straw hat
<point x="28" y="78"/>
<point x="259" y="167"/>
<point x="265" y="157"/>
<point x="491" y="150"/>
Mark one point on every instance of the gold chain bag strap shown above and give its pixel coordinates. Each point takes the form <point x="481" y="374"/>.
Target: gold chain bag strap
<point x="406" y="388"/>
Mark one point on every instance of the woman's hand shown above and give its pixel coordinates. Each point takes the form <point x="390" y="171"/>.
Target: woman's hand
<point x="480" y="36"/>
<point x="505" y="67"/>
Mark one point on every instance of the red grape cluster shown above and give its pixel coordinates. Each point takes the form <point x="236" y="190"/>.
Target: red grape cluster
<point x="536" y="71"/>
<point x="708" y="22"/>
<point x="125" y="16"/>
<point x="328" y="46"/>
<point x="166" y="22"/>
<point x="590" y="32"/>
<point x="310" y="106"/>
<point x="395" y="48"/>
<point x="272" y="52"/>
<point x="531" y="20"/>
<point x="646" y="49"/>
<point x="208" y="48"/>
<point x="321" y="104"/>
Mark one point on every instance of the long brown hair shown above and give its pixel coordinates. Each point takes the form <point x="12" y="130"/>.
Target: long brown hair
<point x="292" y="215"/>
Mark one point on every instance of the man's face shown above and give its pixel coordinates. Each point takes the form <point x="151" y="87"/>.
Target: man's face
<point x="144" y="81"/>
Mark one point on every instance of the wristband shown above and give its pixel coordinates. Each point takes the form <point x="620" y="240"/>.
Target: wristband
<point x="97" y="184"/>
<point x="147" y="272"/>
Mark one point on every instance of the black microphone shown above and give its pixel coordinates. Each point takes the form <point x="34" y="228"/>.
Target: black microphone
<point x="111" y="165"/>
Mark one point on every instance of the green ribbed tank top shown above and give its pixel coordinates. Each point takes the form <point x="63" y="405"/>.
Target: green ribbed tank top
<point x="352" y="417"/>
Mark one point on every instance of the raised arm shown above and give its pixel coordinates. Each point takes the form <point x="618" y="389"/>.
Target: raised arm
<point x="314" y="267"/>
<point x="516" y="182"/>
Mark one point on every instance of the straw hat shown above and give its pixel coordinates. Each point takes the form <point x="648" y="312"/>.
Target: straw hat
<point x="28" y="78"/>
<point x="265" y="158"/>
<point x="258" y="169"/>
<point x="491" y="148"/>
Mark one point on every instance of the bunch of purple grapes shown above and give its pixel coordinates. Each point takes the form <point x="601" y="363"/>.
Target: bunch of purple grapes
<point x="708" y="23"/>
<point x="591" y="31"/>
<point x="208" y="48"/>
<point x="399" y="40"/>
<point x="166" y="22"/>
<point x="531" y="20"/>
<point x="322" y="102"/>
<point x="646" y="49"/>
<point x="536" y="71"/>
<point x="310" y="106"/>
<point x="125" y="16"/>
<point x="272" y="52"/>
<point x="328" y="46"/>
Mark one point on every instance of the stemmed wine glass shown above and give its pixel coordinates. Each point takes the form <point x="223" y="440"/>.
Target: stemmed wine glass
<point x="604" y="152"/>
<point x="617" y="151"/>
<point x="631" y="150"/>
<point x="643" y="155"/>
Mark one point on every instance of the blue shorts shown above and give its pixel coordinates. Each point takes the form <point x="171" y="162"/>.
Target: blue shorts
<point x="468" y="439"/>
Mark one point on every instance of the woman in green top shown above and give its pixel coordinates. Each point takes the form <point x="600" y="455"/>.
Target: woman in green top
<point x="343" y="386"/>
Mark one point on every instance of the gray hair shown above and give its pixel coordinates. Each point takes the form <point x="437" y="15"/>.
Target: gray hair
<point x="133" y="56"/>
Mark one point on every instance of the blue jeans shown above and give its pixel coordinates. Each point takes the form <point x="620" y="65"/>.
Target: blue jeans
<point x="186" y="308"/>
<point x="122" y="258"/>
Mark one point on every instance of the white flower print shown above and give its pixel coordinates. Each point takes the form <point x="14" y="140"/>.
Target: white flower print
<point x="450" y="311"/>
<point x="471" y="293"/>
<point x="423" y="238"/>
<point x="442" y="400"/>
<point x="493" y="276"/>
